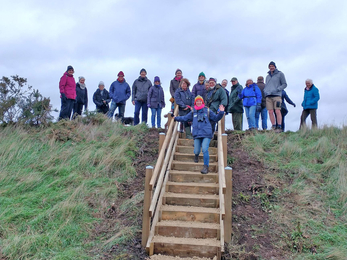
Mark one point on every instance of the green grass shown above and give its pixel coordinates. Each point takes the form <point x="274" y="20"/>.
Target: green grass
<point x="48" y="177"/>
<point x="313" y="166"/>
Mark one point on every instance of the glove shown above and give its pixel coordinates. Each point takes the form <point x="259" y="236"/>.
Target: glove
<point x="258" y="107"/>
<point x="172" y="100"/>
<point x="294" y="105"/>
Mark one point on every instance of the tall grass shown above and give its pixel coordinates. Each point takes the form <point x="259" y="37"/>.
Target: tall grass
<point x="49" y="176"/>
<point x="312" y="165"/>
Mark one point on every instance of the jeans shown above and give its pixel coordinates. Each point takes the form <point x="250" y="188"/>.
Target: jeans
<point x="204" y="143"/>
<point x="121" y="109"/>
<point x="304" y="115"/>
<point x="138" y="106"/>
<point x="250" y="114"/>
<point x="66" y="108"/>
<point x="263" y="114"/>
<point x="154" y="112"/>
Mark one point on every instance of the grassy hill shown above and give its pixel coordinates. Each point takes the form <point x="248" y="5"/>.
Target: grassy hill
<point x="74" y="191"/>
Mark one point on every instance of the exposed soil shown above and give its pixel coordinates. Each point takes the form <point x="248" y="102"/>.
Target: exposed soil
<point x="252" y="228"/>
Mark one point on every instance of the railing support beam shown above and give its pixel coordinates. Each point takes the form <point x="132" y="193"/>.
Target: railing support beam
<point x="228" y="204"/>
<point x="146" y="220"/>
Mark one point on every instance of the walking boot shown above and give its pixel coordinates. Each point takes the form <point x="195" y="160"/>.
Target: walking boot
<point x="196" y="158"/>
<point x="188" y="133"/>
<point x="204" y="170"/>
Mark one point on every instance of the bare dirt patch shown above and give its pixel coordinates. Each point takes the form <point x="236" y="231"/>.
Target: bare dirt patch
<point x="252" y="226"/>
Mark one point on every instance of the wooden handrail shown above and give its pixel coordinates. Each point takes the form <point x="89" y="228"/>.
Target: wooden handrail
<point x="162" y="153"/>
<point x="162" y="172"/>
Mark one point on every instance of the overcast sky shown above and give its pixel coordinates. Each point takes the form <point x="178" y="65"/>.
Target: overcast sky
<point x="224" y="39"/>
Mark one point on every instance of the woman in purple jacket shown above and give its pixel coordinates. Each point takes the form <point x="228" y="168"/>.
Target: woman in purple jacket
<point x="67" y="87"/>
<point x="156" y="101"/>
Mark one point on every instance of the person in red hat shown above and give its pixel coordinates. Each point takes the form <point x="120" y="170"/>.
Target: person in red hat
<point x="202" y="129"/>
<point x="119" y="92"/>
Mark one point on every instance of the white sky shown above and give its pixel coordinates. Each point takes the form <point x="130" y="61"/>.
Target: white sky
<point x="306" y="39"/>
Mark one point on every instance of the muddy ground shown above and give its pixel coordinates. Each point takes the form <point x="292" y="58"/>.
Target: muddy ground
<point x="252" y="227"/>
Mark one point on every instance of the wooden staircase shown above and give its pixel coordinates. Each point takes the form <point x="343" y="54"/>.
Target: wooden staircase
<point x="189" y="217"/>
<point x="190" y="210"/>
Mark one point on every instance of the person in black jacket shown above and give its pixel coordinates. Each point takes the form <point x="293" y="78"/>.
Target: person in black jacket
<point x="81" y="97"/>
<point x="284" y="110"/>
<point x="101" y="98"/>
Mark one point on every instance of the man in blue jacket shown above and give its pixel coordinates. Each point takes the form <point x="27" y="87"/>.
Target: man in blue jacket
<point x="310" y="104"/>
<point x="120" y="93"/>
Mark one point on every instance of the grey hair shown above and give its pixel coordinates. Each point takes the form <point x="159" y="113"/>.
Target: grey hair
<point x="310" y="81"/>
<point x="81" y="77"/>
<point x="225" y="80"/>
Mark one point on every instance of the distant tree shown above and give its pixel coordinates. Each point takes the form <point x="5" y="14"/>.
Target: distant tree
<point x="20" y="103"/>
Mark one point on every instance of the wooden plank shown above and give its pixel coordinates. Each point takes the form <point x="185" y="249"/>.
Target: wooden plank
<point x="188" y="232"/>
<point x="161" y="140"/>
<point x="206" y="217"/>
<point x="228" y="205"/>
<point x="225" y="148"/>
<point x="191" y="166"/>
<point x="193" y="188"/>
<point x="146" y="202"/>
<point x="187" y="176"/>
<point x="190" y="150"/>
<point x="186" y="157"/>
<point x="208" y="201"/>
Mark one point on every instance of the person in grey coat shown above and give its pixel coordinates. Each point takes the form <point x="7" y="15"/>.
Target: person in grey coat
<point x="275" y="83"/>
<point x="156" y="101"/>
<point x="139" y="96"/>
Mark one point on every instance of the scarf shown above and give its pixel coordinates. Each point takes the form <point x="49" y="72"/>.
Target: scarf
<point x="178" y="78"/>
<point x="82" y="86"/>
<point x="120" y="81"/>
<point x="200" y="107"/>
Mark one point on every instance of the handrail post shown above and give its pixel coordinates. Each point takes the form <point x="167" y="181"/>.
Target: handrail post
<point x="146" y="220"/>
<point x="227" y="201"/>
<point x="223" y="124"/>
<point x="225" y="148"/>
<point x="161" y="140"/>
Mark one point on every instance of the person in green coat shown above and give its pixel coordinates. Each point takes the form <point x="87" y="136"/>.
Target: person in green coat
<point x="215" y="96"/>
<point x="235" y="106"/>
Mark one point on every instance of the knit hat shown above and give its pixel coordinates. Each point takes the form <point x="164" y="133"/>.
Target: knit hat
<point x="101" y="83"/>
<point x="212" y="79"/>
<point x="156" y="78"/>
<point x="198" y="97"/>
<point x="202" y="74"/>
<point x="178" y="71"/>
<point x="80" y="77"/>
<point x="233" y="79"/>
<point x="272" y="63"/>
<point x="120" y="74"/>
<point x="143" y="70"/>
<point x="260" y="79"/>
<point x="69" y="68"/>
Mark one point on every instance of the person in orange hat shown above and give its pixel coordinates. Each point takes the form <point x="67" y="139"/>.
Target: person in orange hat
<point x="202" y="129"/>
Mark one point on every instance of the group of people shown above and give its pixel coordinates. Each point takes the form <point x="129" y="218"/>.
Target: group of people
<point x="257" y="100"/>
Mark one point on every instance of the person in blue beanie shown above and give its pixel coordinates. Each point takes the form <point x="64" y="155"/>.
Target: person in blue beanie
<point x="156" y="101"/>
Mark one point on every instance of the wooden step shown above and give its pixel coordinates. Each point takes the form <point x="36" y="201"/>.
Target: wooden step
<point x="195" y="200"/>
<point x="188" y="176"/>
<point x="192" y="166"/>
<point x="166" y="257"/>
<point x="190" y="142"/>
<point x="188" y="229"/>
<point x="192" y="188"/>
<point x="186" y="157"/>
<point x="186" y="247"/>
<point x="181" y="213"/>
<point x="190" y="149"/>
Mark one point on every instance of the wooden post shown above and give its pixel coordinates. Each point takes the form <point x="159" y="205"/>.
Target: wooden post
<point x="161" y="140"/>
<point x="223" y="124"/>
<point x="169" y="120"/>
<point x="146" y="220"/>
<point x="227" y="201"/>
<point x="225" y="148"/>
